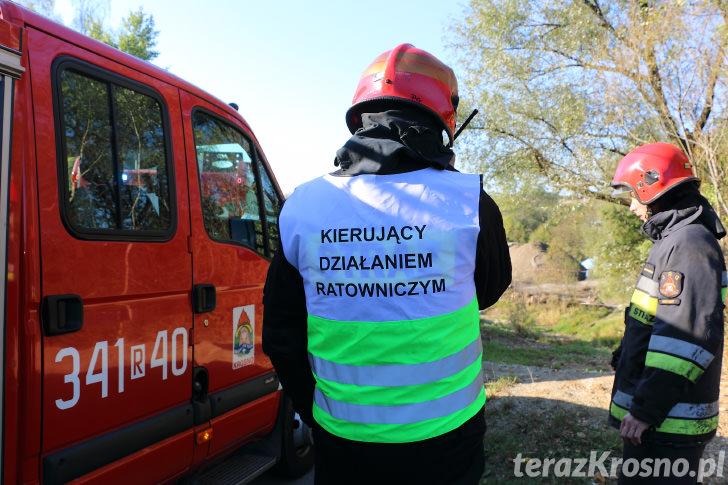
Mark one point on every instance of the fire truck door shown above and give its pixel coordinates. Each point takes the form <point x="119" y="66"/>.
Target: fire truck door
<point x="229" y="185"/>
<point x="116" y="268"/>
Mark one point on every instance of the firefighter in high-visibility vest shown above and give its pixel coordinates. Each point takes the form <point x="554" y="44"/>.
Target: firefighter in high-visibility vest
<point x="666" y="386"/>
<point x="371" y="307"/>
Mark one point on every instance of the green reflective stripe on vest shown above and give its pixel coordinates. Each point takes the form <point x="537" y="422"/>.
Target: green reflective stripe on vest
<point x="373" y="395"/>
<point x="643" y="307"/>
<point x="673" y="364"/>
<point x="724" y="284"/>
<point x="374" y="384"/>
<point x="397" y="432"/>
<point x="385" y="343"/>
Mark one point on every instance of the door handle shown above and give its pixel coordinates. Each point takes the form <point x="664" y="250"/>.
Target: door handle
<point x="204" y="298"/>
<point x="62" y="314"/>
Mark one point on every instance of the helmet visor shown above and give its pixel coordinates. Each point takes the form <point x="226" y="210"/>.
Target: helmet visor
<point x="621" y="191"/>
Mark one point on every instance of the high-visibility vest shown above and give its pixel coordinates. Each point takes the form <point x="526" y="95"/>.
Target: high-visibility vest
<point x="387" y="263"/>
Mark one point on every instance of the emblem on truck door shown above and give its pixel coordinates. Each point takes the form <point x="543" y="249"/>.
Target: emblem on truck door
<point x="243" y="336"/>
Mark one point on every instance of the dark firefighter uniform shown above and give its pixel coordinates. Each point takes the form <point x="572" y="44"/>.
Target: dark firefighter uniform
<point x="668" y="373"/>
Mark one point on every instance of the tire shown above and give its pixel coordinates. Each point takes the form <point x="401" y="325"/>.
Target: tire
<point x="297" y="451"/>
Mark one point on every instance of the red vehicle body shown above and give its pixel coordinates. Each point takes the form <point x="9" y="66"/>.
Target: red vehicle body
<point x="131" y="321"/>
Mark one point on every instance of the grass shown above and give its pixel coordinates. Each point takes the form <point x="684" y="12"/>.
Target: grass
<point x="547" y="430"/>
<point x="555" y="355"/>
<point x="600" y="326"/>
<point x="492" y="388"/>
<point x="556" y="336"/>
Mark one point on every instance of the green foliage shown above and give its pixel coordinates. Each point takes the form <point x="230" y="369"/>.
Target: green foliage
<point x="95" y="29"/>
<point x="577" y="229"/>
<point x="43" y="7"/>
<point x="520" y="319"/>
<point x="621" y="250"/>
<point x="567" y="88"/>
<point x="583" y="330"/>
<point x="570" y="232"/>
<point x="88" y="14"/>
<point x="568" y="235"/>
<point x="524" y="209"/>
<point x="138" y="36"/>
<point x="597" y="325"/>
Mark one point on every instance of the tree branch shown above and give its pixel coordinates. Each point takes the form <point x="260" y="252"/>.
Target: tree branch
<point x="715" y="72"/>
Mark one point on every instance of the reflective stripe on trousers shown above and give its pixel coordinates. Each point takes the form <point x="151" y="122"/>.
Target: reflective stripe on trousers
<point x="683" y="418"/>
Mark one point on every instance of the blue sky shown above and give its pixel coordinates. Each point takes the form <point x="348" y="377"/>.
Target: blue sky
<point x="291" y="66"/>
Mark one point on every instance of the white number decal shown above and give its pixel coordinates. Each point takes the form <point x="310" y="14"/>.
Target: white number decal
<point x="120" y="346"/>
<point x="177" y="333"/>
<point x="158" y="361"/>
<point x="103" y="376"/>
<point x="72" y="377"/>
<point x="98" y="366"/>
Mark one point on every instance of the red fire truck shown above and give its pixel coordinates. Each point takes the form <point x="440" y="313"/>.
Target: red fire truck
<point x="139" y="216"/>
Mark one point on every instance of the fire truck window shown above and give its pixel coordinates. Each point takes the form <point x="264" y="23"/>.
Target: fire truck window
<point x="87" y="125"/>
<point x="227" y="180"/>
<point x="115" y="158"/>
<point x="144" y="200"/>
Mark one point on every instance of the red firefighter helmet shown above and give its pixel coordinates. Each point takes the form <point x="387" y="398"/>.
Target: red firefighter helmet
<point x="651" y="170"/>
<point x="407" y="74"/>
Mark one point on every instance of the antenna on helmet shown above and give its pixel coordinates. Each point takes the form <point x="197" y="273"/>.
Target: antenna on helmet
<point x="465" y="123"/>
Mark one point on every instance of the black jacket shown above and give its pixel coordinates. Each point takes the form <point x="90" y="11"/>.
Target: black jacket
<point x="668" y="374"/>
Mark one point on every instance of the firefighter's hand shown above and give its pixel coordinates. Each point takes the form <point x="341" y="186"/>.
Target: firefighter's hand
<point x="631" y="429"/>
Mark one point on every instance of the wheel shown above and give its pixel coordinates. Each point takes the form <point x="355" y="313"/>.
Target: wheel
<point x="297" y="452"/>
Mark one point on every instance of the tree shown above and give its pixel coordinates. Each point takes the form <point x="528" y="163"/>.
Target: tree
<point x="567" y="88"/>
<point x="136" y="37"/>
<point x="524" y="209"/>
<point x="43" y="7"/>
<point x="619" y="250"/>
<point x="89" y="16"/>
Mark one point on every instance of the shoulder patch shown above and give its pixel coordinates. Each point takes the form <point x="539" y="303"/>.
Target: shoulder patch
<point x="648" y="270"/>
<point x="671" y="283"/>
